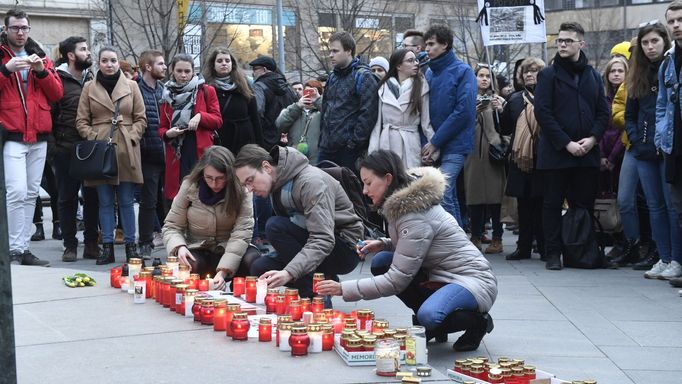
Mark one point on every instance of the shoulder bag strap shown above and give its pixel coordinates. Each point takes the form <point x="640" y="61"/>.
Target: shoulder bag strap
<point x="114" y="119"/>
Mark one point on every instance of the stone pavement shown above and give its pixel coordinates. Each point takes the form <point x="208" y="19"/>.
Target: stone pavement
<point x="610" y="325"/>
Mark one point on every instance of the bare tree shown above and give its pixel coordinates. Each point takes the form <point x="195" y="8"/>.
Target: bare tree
<point x="605" y="30"/>
<point x="368" y="21"/>
<point x="139" y="25"/>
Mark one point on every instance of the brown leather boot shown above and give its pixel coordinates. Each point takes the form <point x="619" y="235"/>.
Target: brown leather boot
<point x="495" y="246"/>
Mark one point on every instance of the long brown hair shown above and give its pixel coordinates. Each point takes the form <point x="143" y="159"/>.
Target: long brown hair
<point x="222" y="160"/>
<point x="608" y="87"/>
<point x="637" y="80"/>
<point x="417" y="81"/>
<point x="237" y="75"/>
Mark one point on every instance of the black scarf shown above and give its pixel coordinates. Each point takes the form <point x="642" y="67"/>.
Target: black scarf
<point x="573" y="67"/>
<point x="108" y="81"/>
<point x="652" y="74"/>
<point x="207" y="196"/>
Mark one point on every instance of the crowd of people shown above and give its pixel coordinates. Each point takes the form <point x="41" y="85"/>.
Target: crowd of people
<point x="224" y="165"/>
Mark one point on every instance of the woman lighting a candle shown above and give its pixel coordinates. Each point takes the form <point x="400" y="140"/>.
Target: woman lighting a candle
<point x="431" y="266"/>
<point x="210" y="223"/>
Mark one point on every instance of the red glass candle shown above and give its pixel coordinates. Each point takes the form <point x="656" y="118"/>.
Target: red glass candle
<point x="354" y="345"/>
<point x="172" y="305"/>
<point x="207" y="312"/>
<point x="271" y="301"/>
<point x="529" y="372"/>
<point x="295" y="310"/>
<point x="147" y="277"/>
<point x="232" y="308"/>
<point x="202" y="285"/>
<point x="250" y="290"/>
<point x="338" y="322"/>
<point x="280" y="305"/>
<point x="114" y="277"/>
<point x="240" y="326"/>
<point x="265" y="329"/>
<point x="364" y="319"/>
<point x="317" y="306"/>
<point x="238" y="285"/>
<point x="166" y="272"/>
<point x="290" y="294"/>
<point x="220" y="315"/>
<point x="305" y="304"/>
<point x="317" y="278"/>
<point x="180" y="290"/>
<point x="196" y="308"/>
<point x="166" y="292"/>
<point x="193" y="281"/>
<point x="327" y="338"/>
<point x="299" y="341"/>
<point x="320" y="318"/>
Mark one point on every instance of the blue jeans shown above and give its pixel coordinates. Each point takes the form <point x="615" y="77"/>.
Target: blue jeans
<point x="451" y="165"/>
<point x="665" y="228"/>
<point x="627" y="196"/>
<point x="262" y="211"/>
<point x="431" y="307"/>
<point x="288" y="239"/>
<point x="126" y="196"/>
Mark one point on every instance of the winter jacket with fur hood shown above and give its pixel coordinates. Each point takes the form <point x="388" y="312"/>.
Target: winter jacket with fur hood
<point x="424" y="235"/>
<point x="26" y="114"/>
<point x="327" y="210"/>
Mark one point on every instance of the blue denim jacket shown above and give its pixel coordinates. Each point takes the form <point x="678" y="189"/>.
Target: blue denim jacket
<point x="665" y="119"/>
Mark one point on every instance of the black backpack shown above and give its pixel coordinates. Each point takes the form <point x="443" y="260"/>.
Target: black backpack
<point x="353" y="188"/>
<point x="581" y="248"/>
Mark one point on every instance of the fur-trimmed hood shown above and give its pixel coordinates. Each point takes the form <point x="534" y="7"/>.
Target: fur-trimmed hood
<point x="424" y="192"/>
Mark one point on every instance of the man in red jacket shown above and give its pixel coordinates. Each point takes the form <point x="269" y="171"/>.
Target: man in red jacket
<point x="28" y="84"/>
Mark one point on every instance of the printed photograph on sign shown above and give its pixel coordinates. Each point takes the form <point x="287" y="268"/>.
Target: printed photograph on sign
<point x="511" y="21"/>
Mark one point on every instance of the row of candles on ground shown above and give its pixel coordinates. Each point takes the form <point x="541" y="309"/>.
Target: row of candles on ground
<point x="505" y="370"/>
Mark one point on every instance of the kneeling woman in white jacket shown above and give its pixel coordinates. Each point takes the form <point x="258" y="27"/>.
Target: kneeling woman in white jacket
<point x="428" y="261"/>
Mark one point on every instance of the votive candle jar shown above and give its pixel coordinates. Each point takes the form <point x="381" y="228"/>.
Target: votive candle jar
<point x="134" y="268"/>
<point x="196" y="308"/>
<point x="188" y="303"/>
<point x="180" y="290"/>
<point x="251" y="290"/>
<point x="299" y="341"/>
<point x="290" y="294"/>
<point x="317" y="278"/>
<point x="207" y="312"/>
<point x="265" y="329"/>
<point x="173" y="265"/>
<point x="240" y="326"/>
<point x="317" y="305"/>
<point x="238" y="285"/>
<point x="280" y="305"/>
<point x="114" y="277"/>
<point x="305" y="304"/>
<point x="271" y="301"/>
<point x="295" y="310"/>
<point x="183" y="272"/>
<point x="203" y="284"/>
<point x="194" y="281"/>
<point x="283" y="334"/>
<point x="219" y="315"/>
<point x="232" y="308"/>
<point x="327" y="337"/>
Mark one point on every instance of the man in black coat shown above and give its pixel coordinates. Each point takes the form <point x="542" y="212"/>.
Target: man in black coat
<point x="572" y="111"/>
<point x="74" y="71"/>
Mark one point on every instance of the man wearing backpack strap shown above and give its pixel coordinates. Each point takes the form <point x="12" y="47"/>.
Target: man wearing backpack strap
<point x="350" y="105"/>
<point x="315" y="226"/>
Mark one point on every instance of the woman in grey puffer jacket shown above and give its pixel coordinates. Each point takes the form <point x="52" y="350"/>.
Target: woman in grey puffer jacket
<point x="431" y="265"/>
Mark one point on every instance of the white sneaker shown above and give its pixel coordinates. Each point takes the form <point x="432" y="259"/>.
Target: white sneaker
<point x="158" y="240"/>
<point x="674" y="270"/>
<point x="656" y="270"/>
<point x="679" y="292"/>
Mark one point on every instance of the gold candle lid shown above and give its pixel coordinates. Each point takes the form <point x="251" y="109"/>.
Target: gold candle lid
<point x="284" y="325"/>
<point x="300" y="330"/>
<point x="239" y="316"/>
<point x="314" y="327"/>
<point x="265" y="321"/>
<point x="354" y="342"/>
<point x="183" y="267"/>
<point x="134" y="260"/>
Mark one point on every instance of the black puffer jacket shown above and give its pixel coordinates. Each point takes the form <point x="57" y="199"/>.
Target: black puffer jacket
<point x="64" y="111"/>
<point x="272" y="95"/>
<point x="151" y="144"/>
<point x="349" y="108"/>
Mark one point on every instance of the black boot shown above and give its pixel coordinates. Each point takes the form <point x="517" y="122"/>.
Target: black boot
<point x="39" y="233"/>
<point x="57" y="231"/>
<point x="518" y="255"/>
<point x="440" y="335"/>
<point x="91" y="250"/>
<point x="131" y="251"/>
<point x="553" y="262"/>
<point x="475" y="325"/>
<point x="107" y="255"/>
<point x="618" y="245"/>
<point x="629" y="255"/>
<point x="649" y="259"/>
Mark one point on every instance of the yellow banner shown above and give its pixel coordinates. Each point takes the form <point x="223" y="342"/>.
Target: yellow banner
<point x="183" y="12"/>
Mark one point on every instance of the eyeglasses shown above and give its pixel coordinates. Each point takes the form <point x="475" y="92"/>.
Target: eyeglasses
<point x="216" y="180"/>
<point x="566" y="41"/>
<point x="23" y="29"/>
<point x="652" y="22"/>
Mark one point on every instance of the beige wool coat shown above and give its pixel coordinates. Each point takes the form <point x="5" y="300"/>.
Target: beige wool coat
<point x="397" y="129"/>
<point x="191" y="222"/>
<point x="484" y="181"/>
<point x="95" y="111"/>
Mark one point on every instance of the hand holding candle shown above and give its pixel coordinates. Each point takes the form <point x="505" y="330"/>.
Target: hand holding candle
<point x="276" y="278"/>
<point x="184" y="255"/>
<point x="329" y="287"/>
